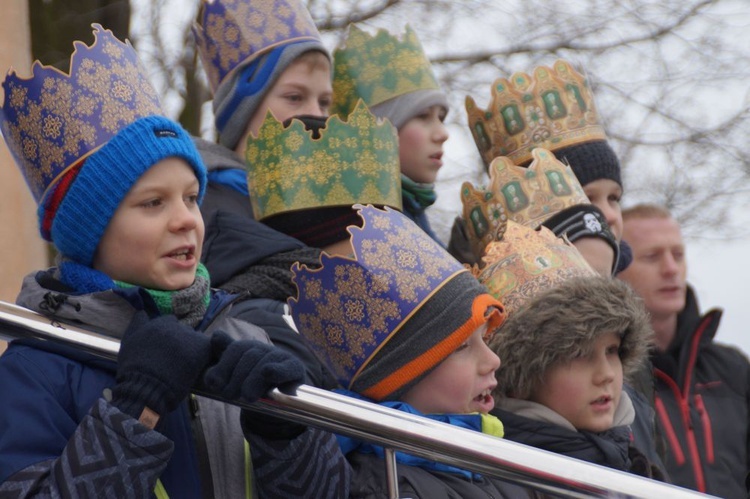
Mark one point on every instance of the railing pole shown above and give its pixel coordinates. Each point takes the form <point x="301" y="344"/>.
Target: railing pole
<point x="391" y="472"/>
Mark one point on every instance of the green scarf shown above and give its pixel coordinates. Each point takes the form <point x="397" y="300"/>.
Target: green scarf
<point x="421" y="194"/>
<point x="189" y="304"/>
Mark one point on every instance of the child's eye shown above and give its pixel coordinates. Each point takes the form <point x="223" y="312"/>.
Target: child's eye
<point x="324" y="103"/>
<point x="463" y="346"/>
<point x="613" y="350"/>
<point x="192" y="199"/>
<point x="294" y="97"/>
<point x="151" y="203"/>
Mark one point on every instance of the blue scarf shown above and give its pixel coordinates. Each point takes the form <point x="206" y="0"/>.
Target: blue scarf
<point x="483" y="423"/>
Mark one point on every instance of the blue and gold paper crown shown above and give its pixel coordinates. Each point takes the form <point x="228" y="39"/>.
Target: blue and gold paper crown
<point x="353" y="161"/>
<point x="351" y="307"/>
<point x="232" y="32"/>
<point x="553" y="108"/>
<point x="52" y="120"/>
<point x="527" y="196"/>
<point x="378" y="68"/>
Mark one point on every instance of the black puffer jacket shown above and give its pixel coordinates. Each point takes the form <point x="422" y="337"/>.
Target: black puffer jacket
<point x="703" y="406"/>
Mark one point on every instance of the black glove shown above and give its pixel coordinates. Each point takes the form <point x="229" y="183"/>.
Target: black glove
<point x="249" y="369"/>
<point x="160" y="360"/>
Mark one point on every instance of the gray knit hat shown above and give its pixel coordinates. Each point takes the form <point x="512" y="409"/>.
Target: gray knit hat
<point x="402" y="108"/>
<point x="561" y="324"/>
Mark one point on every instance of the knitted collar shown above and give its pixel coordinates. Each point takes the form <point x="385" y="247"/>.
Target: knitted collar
<point x="483" y="423"/>
<point x="189" y="304"/>
<point x="423" y="195"/>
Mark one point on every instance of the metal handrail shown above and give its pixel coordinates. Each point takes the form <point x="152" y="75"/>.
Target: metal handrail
<point x="392" y="429"/>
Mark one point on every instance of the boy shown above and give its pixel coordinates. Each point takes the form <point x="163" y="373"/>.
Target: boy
<point x="560" y="388"/>
<point x="119" y="188"/>
<point x="279" y="67"/>
<point x="401" y="323"/>
<point x="395" y="79"/>
<point x="570" y="339"/>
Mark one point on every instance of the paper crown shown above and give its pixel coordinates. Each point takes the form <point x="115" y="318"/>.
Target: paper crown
<point x="231" y="32"/>
<point x="554" y="108"/>
<point x="378" y="68"/>
<point x="527" y="196"/>
<point x="349" y="308"/>
<point x="527" y="261"/>
<point x="354" y="161"/>
<point x="52" y="120"/>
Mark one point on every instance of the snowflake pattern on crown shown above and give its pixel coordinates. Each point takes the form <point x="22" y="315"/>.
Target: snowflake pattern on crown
<point x="53" y="120"/>
<point x="231" y="32"/>
<point x="527" y="196"/>
<point x="552" y="109"/>
<point x="378" y="68"/>
<point x="353" y="161"/>
<point x="350" y="307"/>
<point x="526" y="262"/>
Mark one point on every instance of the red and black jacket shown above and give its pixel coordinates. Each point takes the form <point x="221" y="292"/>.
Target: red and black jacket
<point x="703" y="406"/>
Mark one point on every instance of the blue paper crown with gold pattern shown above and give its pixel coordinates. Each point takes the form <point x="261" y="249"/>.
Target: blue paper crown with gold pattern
<point x="351" y="306"/>
<point x="52" y="120"/>
<point x="527" y="196"/>
<point x="232" y="32"/>
<point x="378" y="68"/>
<point x="553" y="108"/>
<point x="353" y="161"/>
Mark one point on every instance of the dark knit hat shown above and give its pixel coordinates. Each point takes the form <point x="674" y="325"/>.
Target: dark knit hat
<point x="383" y="318"/>
<point x="591" y="161"/>
<point x="561" y="324"/>
<point x="583" y="220"/>
<point x="80" y="208"/>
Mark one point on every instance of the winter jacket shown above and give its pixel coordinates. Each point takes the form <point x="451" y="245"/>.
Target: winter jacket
<point x="703" y="406"/>
<point x="418" y="215"/>
<point x="59" y="436"/>
<point x="536" y="425"/>
<point x="235" y="245"/>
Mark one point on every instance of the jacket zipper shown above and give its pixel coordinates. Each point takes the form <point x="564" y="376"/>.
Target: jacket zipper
<point x="706" y="421"/>
<point x="207" y="483"/>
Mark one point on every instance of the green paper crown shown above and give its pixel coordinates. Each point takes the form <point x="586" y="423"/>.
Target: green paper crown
<point x="354" y="161"/>
<point x="378" y="68"/>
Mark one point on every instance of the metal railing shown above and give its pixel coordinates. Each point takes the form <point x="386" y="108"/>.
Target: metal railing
<point x="394" y="430"/>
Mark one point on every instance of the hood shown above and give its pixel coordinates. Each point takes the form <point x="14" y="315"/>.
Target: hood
<point x="216" y="156"/>
<point x="227" y="232"/>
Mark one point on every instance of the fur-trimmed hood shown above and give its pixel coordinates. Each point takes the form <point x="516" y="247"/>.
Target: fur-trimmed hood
<point x="562" y="323"/>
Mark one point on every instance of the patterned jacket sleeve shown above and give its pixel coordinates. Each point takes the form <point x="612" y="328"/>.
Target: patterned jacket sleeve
<point x="51" y="446"/>
<point x="309" y="466"/>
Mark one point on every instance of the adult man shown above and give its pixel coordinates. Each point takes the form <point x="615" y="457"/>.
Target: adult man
<point x="702" y="388"/>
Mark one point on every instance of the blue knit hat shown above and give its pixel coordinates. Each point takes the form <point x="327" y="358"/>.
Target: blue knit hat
<point x="105" y="178"/>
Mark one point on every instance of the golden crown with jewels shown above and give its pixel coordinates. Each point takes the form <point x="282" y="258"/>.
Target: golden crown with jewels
<point x="231" y="32"/>
<point x="526" y="262"/>
<point x="527" y="196"/>
<point x="377" y="68"/>
<point x="353" y="161"/>
<point x="552" y="108"/>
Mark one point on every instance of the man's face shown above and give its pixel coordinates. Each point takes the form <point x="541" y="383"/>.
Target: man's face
<point x="658" y="272"/>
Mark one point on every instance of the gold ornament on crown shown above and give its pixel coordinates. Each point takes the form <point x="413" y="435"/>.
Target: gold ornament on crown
<point x="526" y="262"/>
<point x="552" y="108"/>
<point x="377" y="68"/>
<point x="527" y="196"/>
<point x="353" y="161"/>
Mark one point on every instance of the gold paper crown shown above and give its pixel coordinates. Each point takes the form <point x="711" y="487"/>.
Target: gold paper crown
<point x="53" y="120"/>
<point x="526" y="262"/>
<point x="354" y="161"/>
<point x="378" y="68"/>
<point x="553" y="109"/>
<point x="231" y="32"/>
<point x="527" y="196"/>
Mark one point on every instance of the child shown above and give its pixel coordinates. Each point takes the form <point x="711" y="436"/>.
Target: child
<point x="118" y="188"/>
<point x="570" y="340"/>
<point x="279" y="66"/>
<point x="544" y="193"/>
<point x="566" y="353"/>
<point x="401" y="323"/>
<point x="394" y="78"/>
<point x="552" y="108"/>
